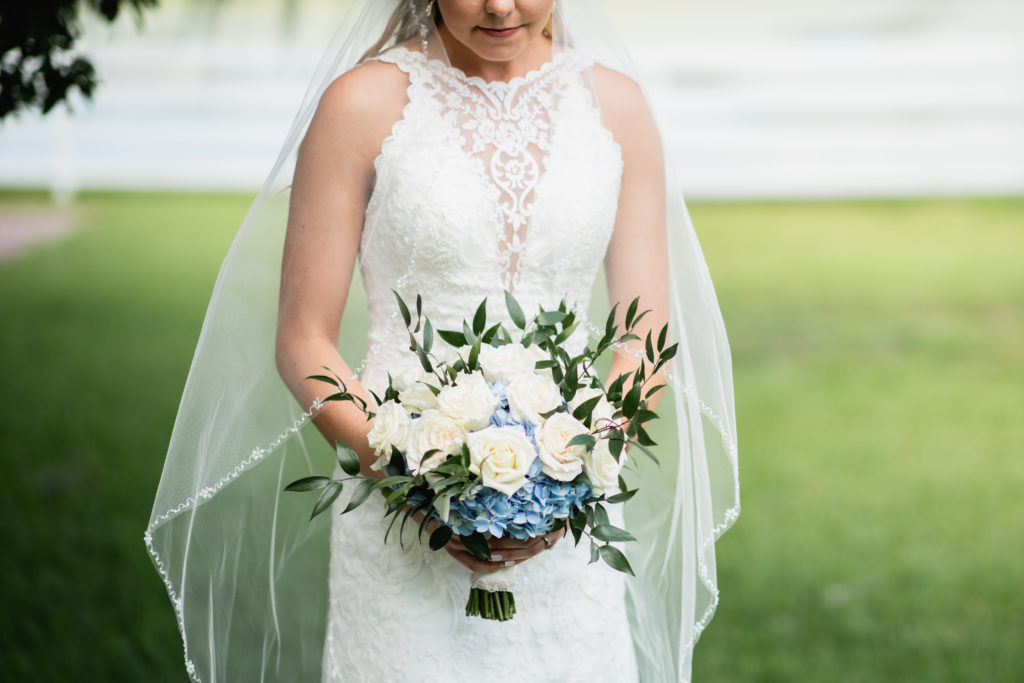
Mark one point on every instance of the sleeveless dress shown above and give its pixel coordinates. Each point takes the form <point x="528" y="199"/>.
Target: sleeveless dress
<point x="482" y="187"/>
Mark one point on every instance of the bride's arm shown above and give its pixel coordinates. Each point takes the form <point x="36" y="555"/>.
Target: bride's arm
<point x="333" y="178"/>
<point x="636" y="263"/>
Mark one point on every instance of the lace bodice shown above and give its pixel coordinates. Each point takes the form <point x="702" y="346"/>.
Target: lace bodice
<point x="487" y="186"/>
<point x="481" y="187"/>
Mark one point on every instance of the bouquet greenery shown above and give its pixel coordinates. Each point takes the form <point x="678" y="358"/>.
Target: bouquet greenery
<point x="507" y="434"/>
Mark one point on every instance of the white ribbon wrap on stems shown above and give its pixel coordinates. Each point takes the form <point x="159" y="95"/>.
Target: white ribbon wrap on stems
<point x="503" y="579"/>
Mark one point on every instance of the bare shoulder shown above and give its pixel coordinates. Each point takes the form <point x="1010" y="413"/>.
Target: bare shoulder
<point x="359" y="107"/>
<point x="624" y="108"/>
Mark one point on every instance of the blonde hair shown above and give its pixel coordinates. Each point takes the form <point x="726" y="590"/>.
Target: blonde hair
<point x="404" y="25"/>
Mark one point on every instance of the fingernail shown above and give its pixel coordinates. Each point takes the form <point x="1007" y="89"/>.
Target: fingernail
<point x="509" y="563"/>
<point x="496" y="558"/>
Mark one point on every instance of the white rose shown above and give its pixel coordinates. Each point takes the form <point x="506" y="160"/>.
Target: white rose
<point x="502" y="363"/>
<point x="390" y="428"/>
<point x="558" y="459"/>
<point x="406" y="379"/>
<point x="417" y="398"/>
<point x="530" y="395"/>
<point x="501" y="456"/>
<point x="603" y="411"/>
<point x="469" y="401"/>
<point x="432" y="430"/>
<point x="601" y="469"/>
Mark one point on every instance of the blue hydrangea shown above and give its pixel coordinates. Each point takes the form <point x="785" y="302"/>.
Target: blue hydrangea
<point x="532" y="510"/>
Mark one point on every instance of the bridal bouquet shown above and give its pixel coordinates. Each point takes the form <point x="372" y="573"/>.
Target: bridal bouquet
<point x="508" y="435"/>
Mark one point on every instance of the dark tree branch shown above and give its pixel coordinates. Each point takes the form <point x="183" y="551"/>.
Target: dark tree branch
<point x="38" y="66"/>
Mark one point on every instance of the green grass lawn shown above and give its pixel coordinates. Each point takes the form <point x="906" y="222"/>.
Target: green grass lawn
<point x="879" y="356"/>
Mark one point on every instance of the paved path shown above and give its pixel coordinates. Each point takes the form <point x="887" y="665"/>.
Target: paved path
<point x="21" y="229"/>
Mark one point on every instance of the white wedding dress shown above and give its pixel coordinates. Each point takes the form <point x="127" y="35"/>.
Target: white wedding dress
<point x="481" y="187"/>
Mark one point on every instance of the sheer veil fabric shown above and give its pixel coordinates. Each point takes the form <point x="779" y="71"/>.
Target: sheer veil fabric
<point x="246" y="570"/>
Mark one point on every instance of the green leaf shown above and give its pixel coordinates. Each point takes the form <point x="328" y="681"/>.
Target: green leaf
<point x="642" y="437"/>
<point x="614" y="558"/>
<point x="409" y="512"/>
<point x="396" y="465"/>
<point x="571" y="379"/>
<point x="403" y="309"/>
<point x="550" y="317"/>
<point x="585" y="440"/>
<point x="595" y="553"/>
<point x="670" y="352"/>
<point x="631" y="312"/>
<point x="556" y="374"/>
<point x="388" y="482"/>
<point x="325" y="378"/>
<point x="474" y="354"/>
<point x="643" y="415"/>
<point x="649" y="347"/>
<point x="424" y="361"/>
<point x="621" y="497"/>
<point x="428" y="335"/>
<point x="616" y="443"/>
<point x="600" y="515"/>
<point x="440" y="537"/>
<point x="419" y="309"/>
<point x="632" y="401"/>
<point x="577" y="524"/>
<point x="612" y="534"/>
<point x="363" y="491"/>
<point x="327" y="497"/>
<point x="609" y="326"/>
<point x="515" y="311"/>
<point x="491" y="333"/>
<point x="308" y="484"/>
<point x="654" y="389"/>
<point x="566" y="333"/>
<point x="393" y="512"/>
<point x="377" y="399"/>
<point x="663" y="337"/>
<point x="477" y="545"/>
<point x="347" y="458"/>
<point x="480" y="318"/>
<point x="586" y="408"/>
<point x="467" y="332"/>
<point x="454" y="338"/>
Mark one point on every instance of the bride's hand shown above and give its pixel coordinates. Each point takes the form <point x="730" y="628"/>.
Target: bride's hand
<point x="505" y="552"/>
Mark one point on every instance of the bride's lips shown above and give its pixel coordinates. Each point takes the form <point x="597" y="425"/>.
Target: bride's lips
<point x="500" y="32"/>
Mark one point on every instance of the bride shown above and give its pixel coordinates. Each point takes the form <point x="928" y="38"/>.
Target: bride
<point x="455" y="149"/>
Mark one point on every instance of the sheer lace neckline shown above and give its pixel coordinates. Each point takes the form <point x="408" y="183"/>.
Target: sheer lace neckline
<point x="511" y="85"/>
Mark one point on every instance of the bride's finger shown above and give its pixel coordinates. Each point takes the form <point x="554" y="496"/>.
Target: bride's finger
<point x="480" y="566"/>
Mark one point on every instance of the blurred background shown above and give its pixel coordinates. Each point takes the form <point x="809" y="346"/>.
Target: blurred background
<point x="856" y="175"/>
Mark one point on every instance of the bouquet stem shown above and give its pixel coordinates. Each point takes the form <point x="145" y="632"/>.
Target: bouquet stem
<point x="490" y="596"/>
<point x="494" y="605"/>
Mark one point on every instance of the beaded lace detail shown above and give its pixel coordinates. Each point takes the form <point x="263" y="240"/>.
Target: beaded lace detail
<point x="505" y="129"/>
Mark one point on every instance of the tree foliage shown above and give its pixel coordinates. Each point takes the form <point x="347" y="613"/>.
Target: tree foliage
<point x="38" y="65"/>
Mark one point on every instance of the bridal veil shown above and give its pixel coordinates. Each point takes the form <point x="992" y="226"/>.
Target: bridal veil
<point x="245" y="568"/>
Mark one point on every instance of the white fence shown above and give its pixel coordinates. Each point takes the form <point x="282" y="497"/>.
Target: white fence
<point x="790" y="98"/>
